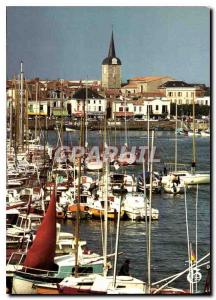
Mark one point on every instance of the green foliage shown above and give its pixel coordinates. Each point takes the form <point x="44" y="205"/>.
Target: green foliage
<point x="187" y="110"/>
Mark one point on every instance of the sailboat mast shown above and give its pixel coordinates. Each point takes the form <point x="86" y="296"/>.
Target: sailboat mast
<point x="176" y="141"/>
<point x="62" y="131"/>
<point x="150" y="215"/>
<point x="11" y="123"/>
<point x="21" y="107"/>
<point x="26" y="117"/>
<point x="146" y="211"/>
<point x="148" y="135"/>
<point x="126" y="142"/>
<point x="86" y="117"/>
<point x="77" y="225"/>
<point x="117" y="240"/>
<point x="105" y="185"/>
<point x="36" y="99"/>
<point x="115" y="120"/>
<point x="105" y="217"/>
<point x="194" y="151"/>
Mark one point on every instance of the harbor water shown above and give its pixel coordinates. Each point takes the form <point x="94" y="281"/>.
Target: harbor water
<point x="169" y="254"/>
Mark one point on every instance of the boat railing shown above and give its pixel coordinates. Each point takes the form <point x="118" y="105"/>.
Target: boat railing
<point x="35" y="271"/>
<point x="171" y="166"/>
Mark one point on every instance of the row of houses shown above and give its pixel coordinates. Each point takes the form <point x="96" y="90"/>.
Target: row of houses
<point x="95" y="106"/>
<point x="140" y="95"/>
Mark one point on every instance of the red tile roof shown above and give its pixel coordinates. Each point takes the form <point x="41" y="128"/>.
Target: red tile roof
<point x="147" y="78"/>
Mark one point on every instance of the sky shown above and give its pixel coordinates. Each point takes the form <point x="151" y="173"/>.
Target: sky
<point x="71" y="42"/>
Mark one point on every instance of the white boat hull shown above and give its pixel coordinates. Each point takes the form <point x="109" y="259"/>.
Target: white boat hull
<point x="22" y="286"/>
<point x="196" y="179"/>
<point x="189" y="179"/>
<point x="94" y="166"/>
<point x="173" y="189"/>
<point x="139" y="214"/>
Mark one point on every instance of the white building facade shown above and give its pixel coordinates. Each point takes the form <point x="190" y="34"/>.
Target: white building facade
<point x="139" y="108"/>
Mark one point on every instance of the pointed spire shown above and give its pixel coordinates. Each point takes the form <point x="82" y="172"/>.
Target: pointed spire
<point x="112" y="47"/>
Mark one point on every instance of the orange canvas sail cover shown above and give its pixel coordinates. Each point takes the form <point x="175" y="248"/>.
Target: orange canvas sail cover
<point x="42" y="252"/>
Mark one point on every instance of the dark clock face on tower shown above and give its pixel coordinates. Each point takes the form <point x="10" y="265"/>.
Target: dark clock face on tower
<point x="114" y="61"/>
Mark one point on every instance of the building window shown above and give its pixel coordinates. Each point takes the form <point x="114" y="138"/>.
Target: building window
<point x="126" y="109"/>
<point x="156" y="107"/>
<point x="179" y="94"/>
<point x="180" y="101"/>
<point x="206" y="102"/>
<point x="192" y="94"/>
<point x="170" y="94"/>
<point x="149" y="108"/>
<point x="94" y="101"/>
<point x="140" y="108"/>
<point x="120" y="108"/>
<point x="31" y="108"/>
<point x="99" y="101"/>
<point x="164" y="109"/>
<point x="186" y="94"/>
<point x="135" y="108"/>
<point x="54" y="104"/>
<point x="41" y="107"/>
<point x="88" y="101"/>
<point x="99" y="108"/>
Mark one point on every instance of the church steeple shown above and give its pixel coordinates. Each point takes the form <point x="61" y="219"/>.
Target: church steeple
<point x="111" y="68"/>
<point x="111" y="53"/>
<point x="109" y="59"/>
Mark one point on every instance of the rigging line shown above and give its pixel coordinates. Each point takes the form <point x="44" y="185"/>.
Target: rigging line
<point x="178" y="275"/>
<point x="196" y="229"/>
<point x="188" y="239"/>
<point x="146" y="217"/>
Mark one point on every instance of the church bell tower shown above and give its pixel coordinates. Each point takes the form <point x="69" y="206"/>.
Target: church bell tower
<point x="111" y="69"/>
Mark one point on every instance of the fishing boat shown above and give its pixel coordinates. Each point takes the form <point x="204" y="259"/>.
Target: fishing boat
<point x="71" y="211"/>
<point x="97" y="209"/>
<point x="134" y="207"/>
<point x="121" y="183"/>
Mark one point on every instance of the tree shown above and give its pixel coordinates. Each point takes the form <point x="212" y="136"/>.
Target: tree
<point x="187" y="110"/>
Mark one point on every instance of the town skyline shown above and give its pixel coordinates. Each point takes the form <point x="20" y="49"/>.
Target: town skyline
<point x="75" y="50"/>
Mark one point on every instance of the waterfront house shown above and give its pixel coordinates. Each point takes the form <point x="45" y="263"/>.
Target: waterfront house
<point x="95" y="104"/>
<point x="138" y="109"/>
<point x="181" y="92"/>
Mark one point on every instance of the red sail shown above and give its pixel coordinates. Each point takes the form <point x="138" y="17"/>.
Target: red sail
<point x="42" y="252"/>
